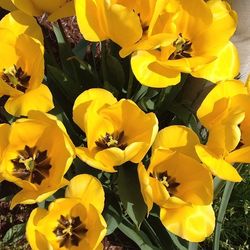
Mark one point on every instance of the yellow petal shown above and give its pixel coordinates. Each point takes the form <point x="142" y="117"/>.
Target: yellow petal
<point x="239" y="155"/>
<point x="4" y="139"/>
<point x="19" y="23"/>
<point x="36" y="99"/>
<point x="188" y="65"/>
<point x="225" y="67"/>
<point x="225" y="89"/>
<point x="91" y="19"/>
<point x="120" y="21"/>
<point x="192" y="223"/>
<point x="67" y="10"/>
<point x="85" y="187"/>
<point x="96" y="97"/>
<point x="28" y="7"/>
<point x="36" y="240"/>
<point x="85" y="155"/>
<point x="8" y="5"/>
<point x="111" y="157"/>
<point x="159" y="192"/>
<point x="30" y="197"/>
<point x="148" y="43"/>
<point x="177" y="138"/>
<point x="217" y="165"/>
<point x="152" y="75"/>
<point x="146" y="188"/>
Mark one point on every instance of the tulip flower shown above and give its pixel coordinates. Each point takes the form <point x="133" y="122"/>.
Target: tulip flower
<point x="112" y="131"/>
<point x="180" y="185"/>
<point x="56" y="9"/>
<point x="193" y="48"/>
<point x="22" y="69"/>
<point x="36" y="153"/>
<point x="17" y="23"/>
<point x="225" y="113"/>
<point x="73" y="222"/>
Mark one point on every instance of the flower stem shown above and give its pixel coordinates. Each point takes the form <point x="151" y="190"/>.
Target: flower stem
<point x="130" y="83"/>
<point x="224" y="202"/>
<point x="193" y="246"/>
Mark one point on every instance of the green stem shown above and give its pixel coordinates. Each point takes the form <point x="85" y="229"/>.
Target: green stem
<point x="193" y="246"/>
<point x="224" y="202"/>
<point x="153" y="234"/>
<point x="130" y="83"/>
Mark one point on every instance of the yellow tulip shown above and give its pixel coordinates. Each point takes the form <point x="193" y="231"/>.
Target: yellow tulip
<point x="112" y="131"/>
<point x="7" y="4"/>
<point x="22" y="67"/>
<point x="17" y="23"/>
<point x="225" y="113"/>
<point x="70" y="223"/>
<point x="56" y="8"/>
<point x="36" y="153"/>
<point x="183" y="191"/>
<point x="191" y="48"/>
<point x="180" y="185"/>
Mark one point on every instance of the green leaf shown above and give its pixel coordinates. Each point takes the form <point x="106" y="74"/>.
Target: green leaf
<point x="80" y="49"/>
<point x="139" y="237"/>
<point x="112" y="212"/>
<point x="63" y="83"/>
<point x="112" y="69"/>
<point x="70" y="67"/>
<point x="130" y="193"/>
<point x="14" y="234"/>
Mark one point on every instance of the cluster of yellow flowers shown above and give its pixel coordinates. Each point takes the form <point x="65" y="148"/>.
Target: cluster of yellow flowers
<point x="165" y="38"/>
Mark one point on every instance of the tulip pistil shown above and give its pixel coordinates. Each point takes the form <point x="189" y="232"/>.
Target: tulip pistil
<point x="31" y="164"/>
<point x="183" y="48"/>
<point x="69" y="231"/>
<point x="16" y="78"/>
<point x="111" y="140"/>
<point x="169" y="182"/>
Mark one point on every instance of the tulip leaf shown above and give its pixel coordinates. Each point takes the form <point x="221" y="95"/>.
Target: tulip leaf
<point x="63" y="83"/>
<point x="112" y="212"/>
<point x="130" y="193"/>
<point x="136" y="235"/>
<point x="65" y="52"/>
<point x="113" y="71"/>
<point x="14" y="234"/>
<point x="80" y="49"/>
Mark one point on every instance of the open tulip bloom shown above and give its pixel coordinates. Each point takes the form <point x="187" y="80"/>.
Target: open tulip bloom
<point x="22" y="67"/>
<point x="122" y="147"/>
<point x="36" y="153"/>
<point x="181" y="186"/>
<point x="73" y="222"/>
<point x="112" y="131"/>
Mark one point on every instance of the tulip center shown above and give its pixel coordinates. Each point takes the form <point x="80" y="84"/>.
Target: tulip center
<point x="183" y="48"/>
<point x="169" y="182"/>
<point x="69" y="231"/>
<point x="16" y="78"/>
<point x="111" y="140"/>
<point x="31" y="164"/>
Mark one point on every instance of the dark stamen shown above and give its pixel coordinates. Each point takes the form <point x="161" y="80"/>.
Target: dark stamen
<point x="183" y="48"/>
<point x="111" y="140"/>
<point x="170" y="182"/>
<point x="69" y="231"/>
<point x="16" y="78"/>
<point x="31" y="165"/>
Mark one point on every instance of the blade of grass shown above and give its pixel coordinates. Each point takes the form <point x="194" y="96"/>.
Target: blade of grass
<point x="224" y="202"/>
<point x="193" y="246"/>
